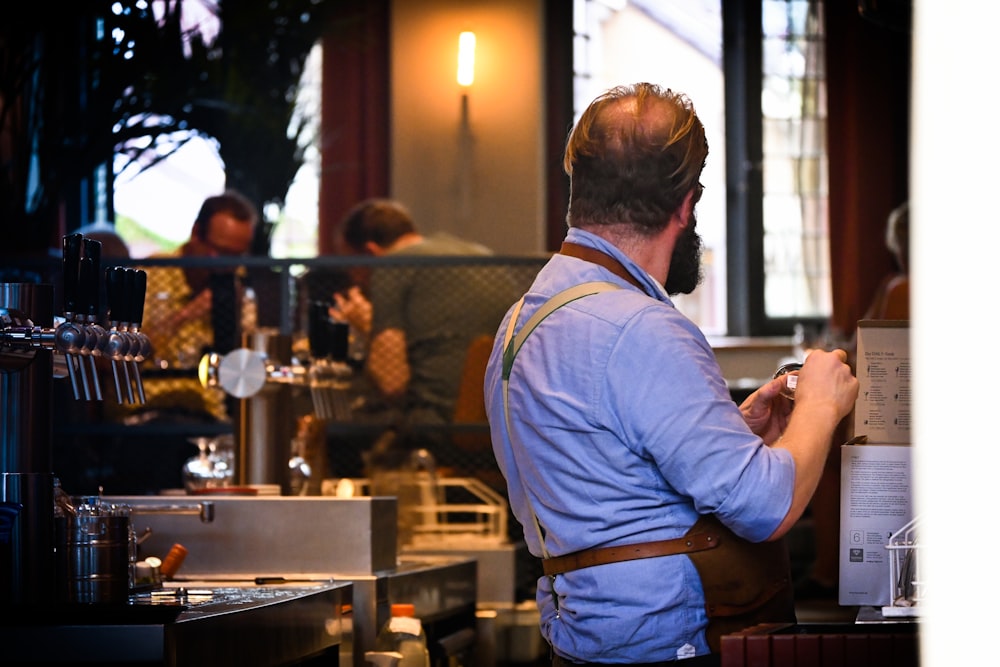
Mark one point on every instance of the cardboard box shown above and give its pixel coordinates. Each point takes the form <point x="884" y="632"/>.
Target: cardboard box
<point x="882" y="412"/>
<point x="876" y="494"/>
<point x="876" y="500"/>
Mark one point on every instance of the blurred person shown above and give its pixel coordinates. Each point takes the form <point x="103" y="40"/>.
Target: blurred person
<point x="178" y="309"/>
<point x="892" y="297"/>
<point x="419" y="318"/>
<point x="625" y="457"/>
<point x="113" y="246"/>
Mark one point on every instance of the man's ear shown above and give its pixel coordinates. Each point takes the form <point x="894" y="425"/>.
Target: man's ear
<point x="374" y="249"/>
<point x="683" y="213"/>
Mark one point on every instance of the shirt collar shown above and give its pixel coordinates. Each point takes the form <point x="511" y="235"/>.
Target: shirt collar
<point x="592" y="240"/>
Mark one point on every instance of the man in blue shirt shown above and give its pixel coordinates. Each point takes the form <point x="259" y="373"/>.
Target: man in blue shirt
<point x="609" y="416"/>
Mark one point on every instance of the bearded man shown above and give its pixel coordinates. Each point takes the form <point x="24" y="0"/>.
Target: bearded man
<point x="656" y="504"/>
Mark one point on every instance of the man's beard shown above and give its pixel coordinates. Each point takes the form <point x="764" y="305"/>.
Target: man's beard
<point x="685" y="264"/>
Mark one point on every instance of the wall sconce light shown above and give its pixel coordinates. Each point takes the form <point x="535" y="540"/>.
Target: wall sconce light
<point x="466" y="58"/>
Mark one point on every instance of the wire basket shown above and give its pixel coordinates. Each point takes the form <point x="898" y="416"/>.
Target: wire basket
<point x="905" y="581"/>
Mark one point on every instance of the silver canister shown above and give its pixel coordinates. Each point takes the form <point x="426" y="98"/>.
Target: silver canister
<point x="100" y="552"/>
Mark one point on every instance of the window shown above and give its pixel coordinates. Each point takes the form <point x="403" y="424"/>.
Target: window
<point x="793" y="116"/>
<point x="161" y="179"/>
<point x="676" y="44"/>
<point x="766" y="241"/>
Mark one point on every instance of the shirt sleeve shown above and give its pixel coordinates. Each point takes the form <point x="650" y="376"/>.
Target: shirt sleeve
<point x="676" y="410"/>
<point x="389" y="297"/>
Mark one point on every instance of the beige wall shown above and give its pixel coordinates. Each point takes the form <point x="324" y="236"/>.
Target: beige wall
<point x="490" y="188"/>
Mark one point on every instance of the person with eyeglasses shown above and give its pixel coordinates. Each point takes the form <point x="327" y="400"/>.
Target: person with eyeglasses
<point x="179" y="303"/>
<point x="656" y="505"/>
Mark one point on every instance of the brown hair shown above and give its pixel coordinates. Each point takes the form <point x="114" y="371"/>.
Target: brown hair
<point x="229" y="201"/>
<point x="381" y="221"/>
<point x="632" y="158"/>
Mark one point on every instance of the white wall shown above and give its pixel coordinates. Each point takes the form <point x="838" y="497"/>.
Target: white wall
<point x="955" y="234"/>
<point x="495" y="194"/>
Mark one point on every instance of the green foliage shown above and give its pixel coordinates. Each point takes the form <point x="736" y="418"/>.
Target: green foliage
<point x="109" y="77"/>
<point x="240" y="89"/>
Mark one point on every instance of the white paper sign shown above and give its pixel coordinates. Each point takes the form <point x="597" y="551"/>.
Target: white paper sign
<point x="875" y="502"/>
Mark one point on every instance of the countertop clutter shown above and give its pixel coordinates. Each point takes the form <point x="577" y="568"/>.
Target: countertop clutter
<point x="233" y="576"/>
<point x="223" y="624"/>
<point x="266" y="581"/>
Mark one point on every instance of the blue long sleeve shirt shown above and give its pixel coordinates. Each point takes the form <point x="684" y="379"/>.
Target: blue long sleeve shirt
<point x="623" y="431"/>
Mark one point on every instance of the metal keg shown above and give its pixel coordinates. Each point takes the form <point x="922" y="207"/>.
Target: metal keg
<point x="99" y="555"/>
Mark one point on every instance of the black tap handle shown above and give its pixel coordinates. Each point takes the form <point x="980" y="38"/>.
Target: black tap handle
<point x="140" y="296"/>
<point x="71" y="271"/>
<point x="128" y="296"/>
<point x="319" y="342"/>
<point x="88" y="291"/>
<point x="339" y="338"/>
<point x="114" y="284"/>
<point x="92" y="249"/>
<point x="90" y="286"/>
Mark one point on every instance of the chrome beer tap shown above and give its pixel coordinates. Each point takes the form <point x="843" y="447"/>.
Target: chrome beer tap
<point x="242" y="373"/>
<point x="70" y="336"/>
<point x="96" y="336"/>
<point x="119" y="343"/>
<point x="141" y="346"/>
<point x="329" y="375"/>
<point x="127" y="346"/>
<point x="80" y="339"/>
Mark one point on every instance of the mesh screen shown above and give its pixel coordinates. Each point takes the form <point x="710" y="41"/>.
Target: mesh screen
<point x="448" y="308"/>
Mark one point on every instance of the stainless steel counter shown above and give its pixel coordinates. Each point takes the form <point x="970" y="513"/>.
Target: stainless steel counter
<point x="223" y="624"/>
<point x="443" y="592"/>
<point x="300" y="538"/>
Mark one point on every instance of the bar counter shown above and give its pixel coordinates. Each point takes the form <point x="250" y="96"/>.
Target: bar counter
<point x="302" y="624"/>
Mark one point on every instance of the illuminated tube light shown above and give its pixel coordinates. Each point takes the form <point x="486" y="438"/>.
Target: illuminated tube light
<point x="466" y="58"/>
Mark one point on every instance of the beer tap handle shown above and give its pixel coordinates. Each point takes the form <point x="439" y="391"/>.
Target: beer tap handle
<point x="112" y="278"/>
<point x="140" y="297"/>
<point x="68" y="335"/>
<point x="128" y="296"/>
<point x="114" y="285"/>
<point x="144" y="346"/>
<point x="128" y="314"/>
<point x="340" y="336"/>
<point x="90" y="286"/>
<point x="90" y="279"/>
<point x="319" y="342"/>
<point x="71" y="272"/>
<point x="71" y="370"/>
<point x="87" y="298"/>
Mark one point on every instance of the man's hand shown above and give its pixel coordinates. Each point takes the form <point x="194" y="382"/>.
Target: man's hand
<point x="766" y="411"/>
<point x="352" y="307"/>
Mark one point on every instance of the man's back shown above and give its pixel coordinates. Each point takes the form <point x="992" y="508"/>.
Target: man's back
<point x="441" y="306"/>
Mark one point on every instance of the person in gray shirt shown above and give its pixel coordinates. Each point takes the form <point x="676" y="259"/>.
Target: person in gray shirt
<point x="422" y="310"/>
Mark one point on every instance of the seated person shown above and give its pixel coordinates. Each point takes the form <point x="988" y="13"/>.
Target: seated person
<point x="178" y="309"/>
<point x="420" y="318"/>
<point x="892" y="299"/>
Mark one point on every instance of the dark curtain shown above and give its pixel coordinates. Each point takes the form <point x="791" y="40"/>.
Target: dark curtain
<point x="868" y="84"/>
<point x="355" y="117"/>
<point x="558" y="73"/>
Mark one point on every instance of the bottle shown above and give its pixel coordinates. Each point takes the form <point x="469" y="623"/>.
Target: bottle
<point x="404" y="634"/>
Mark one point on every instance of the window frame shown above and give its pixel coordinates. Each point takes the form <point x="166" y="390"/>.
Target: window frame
<point x="743" y="72"/>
